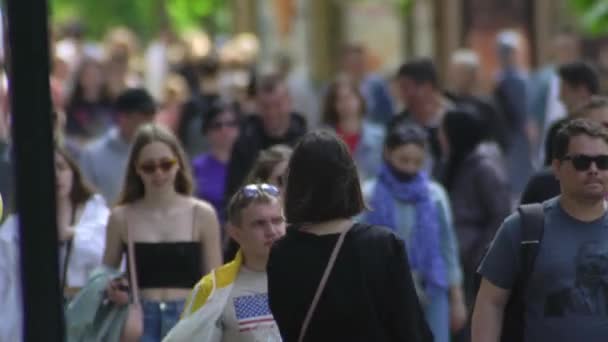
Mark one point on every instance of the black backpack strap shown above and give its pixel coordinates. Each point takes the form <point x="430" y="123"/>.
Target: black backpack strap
<point x="532" y="226"/>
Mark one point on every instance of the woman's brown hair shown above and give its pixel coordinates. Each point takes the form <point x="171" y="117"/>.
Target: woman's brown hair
<point x="133" y="187"/>
<point x="266" y="162"/>
<point x="81" y="190"/>
<point x="329" y="112"/>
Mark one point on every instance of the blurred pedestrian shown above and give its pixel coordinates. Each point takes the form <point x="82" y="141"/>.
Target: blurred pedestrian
<point x="276" y="123"/>
<point x="89" y="108"/>
<point x="417" y="209"/>
<point x="418" y="84"/>
<point x="104" y="160"/>
<point x="373" y="87"/>
<point x="81" y="222"/>
<point x="344" y="111"/>
<point x="478" y="188"/>
<point x="221" y="125"/>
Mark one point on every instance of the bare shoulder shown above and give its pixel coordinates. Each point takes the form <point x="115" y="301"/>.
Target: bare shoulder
<point x="119" y="213"/>
<point x="202" y="209"/>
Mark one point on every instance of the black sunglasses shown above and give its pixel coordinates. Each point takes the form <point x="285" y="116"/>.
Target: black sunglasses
<point x="582" y="162"/>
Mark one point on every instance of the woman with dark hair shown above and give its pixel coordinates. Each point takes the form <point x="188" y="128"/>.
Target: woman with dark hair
<point x="344" y="111"/>
<point x="221" y="129"/>
<point x="477" y="185"/>
<point x="417" y="209"/>
<point x="176" y="236"/>
<point x="364" y="290"/>
<point x="89" y="110"/>
<point x="81" y="220"/>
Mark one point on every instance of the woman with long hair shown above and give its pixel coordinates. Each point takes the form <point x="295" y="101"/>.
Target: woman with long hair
<point x="478" y="187"/>
<point x="329" y="278"/>
<point x="344" y="111"/>
<point x="81" y="222"/>
<point x="176" y="236"/>
<point x="89" y="108"/>
<point x="417" y="209"/>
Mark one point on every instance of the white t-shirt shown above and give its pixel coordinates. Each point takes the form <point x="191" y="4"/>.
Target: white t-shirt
<point x="247" y="316"/>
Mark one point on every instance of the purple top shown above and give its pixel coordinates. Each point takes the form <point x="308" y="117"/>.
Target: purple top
<point x="210" y="175"/>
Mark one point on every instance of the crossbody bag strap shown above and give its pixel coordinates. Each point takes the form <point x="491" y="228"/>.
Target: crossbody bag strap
<point x="132" y="265"/>
<point x="328" y="268"/>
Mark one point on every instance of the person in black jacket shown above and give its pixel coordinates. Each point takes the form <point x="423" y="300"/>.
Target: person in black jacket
<point x="275" y="123"/>
<point x="369" y="295"/>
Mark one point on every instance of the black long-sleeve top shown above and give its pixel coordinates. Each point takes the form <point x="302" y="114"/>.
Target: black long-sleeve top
<point x="369" y="295"/>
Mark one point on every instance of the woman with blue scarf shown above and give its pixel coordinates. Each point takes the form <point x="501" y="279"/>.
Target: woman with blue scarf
<point x="404" y="199"/>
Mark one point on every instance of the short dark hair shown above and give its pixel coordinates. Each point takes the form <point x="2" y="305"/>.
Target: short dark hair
<point x="580" y="73"/>
<point x="574" y="128"/>
<point x="322" y="181"/>
<point x="596" y="102"/>
<point x="420" y="70"/>
<point x="135" y="100"/>
<point x="214" y="110"/>
<point x="405" y="133"/>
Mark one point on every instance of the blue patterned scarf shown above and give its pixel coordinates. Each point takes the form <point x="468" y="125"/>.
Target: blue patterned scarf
<point x="424" y="250"/>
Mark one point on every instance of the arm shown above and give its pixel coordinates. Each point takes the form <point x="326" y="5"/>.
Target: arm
<point x="113" y="250"/>
<point x="404" y="317"/>
<point x="450" y="252"/>
<point x="209" y="233"/>
<point x="494" y="198"/>
<point x="488" y="312"/>
<point x="90" y="235"/>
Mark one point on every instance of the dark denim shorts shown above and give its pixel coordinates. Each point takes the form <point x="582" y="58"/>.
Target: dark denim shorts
<point x="159" y="318"/>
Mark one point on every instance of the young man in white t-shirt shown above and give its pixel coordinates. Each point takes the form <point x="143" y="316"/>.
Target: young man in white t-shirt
<point x="230" y="304"/>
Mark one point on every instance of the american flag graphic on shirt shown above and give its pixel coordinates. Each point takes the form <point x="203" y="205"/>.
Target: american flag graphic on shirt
<point x="252" y="311"/>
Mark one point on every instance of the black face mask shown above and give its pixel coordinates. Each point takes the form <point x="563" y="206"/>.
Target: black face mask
<point x="401" y="175"/>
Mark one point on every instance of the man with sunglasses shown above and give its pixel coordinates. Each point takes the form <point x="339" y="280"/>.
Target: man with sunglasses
<point x="230" y="304"/>
<point x="543" y="185"/>
<point x="566" y="297"/>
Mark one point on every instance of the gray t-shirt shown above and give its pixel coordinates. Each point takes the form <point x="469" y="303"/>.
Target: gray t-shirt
<point x="247" y="316"/>
<point x="567" y="295"/>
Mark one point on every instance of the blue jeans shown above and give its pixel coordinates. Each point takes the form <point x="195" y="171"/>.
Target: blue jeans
<point x="159" y="318"/>
<point x="437" y="314"/>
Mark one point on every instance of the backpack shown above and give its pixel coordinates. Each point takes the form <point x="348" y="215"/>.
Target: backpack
<point x="532" y="227"/>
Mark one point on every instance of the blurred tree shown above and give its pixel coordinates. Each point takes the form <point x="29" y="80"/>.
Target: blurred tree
<point x="146" y="17"/>
<point x="592" y="15"/>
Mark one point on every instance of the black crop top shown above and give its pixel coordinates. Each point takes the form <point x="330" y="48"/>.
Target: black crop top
<point x="168" y="264"/>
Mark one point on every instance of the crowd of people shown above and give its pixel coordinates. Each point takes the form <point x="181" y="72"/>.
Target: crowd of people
<point x="206" y="199"/>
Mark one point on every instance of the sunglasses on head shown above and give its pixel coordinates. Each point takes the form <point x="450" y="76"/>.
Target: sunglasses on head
<point x="582" y="162"/>
<point x="216" y="125"/>
<point x="165" y="165"/>
<point x="254" y="190"/>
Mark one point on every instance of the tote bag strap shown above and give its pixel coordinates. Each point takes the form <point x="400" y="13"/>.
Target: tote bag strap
<point x="132" y="266"/>
<point x="328" y="268"/>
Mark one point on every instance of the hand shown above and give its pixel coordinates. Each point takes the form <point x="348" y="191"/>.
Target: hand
<point x="117" y="291"/>
<point x="458" y="314"/>
<point x="66" y="234"/>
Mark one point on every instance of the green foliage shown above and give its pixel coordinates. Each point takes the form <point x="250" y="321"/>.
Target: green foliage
<point x="592" y="15"/>
<point x="146" y="17"/>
